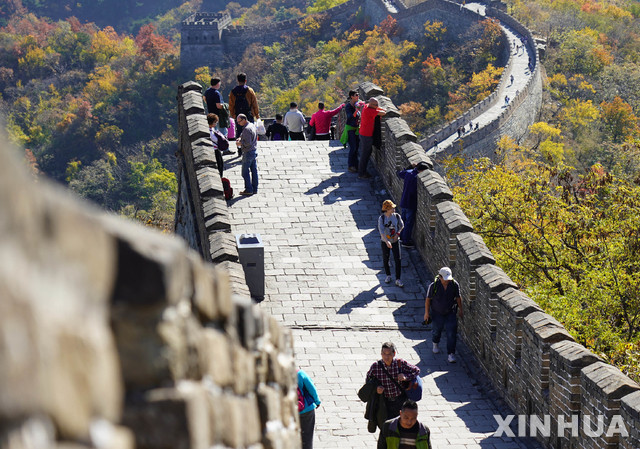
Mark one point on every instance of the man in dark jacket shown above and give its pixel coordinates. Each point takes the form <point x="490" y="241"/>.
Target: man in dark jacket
<point x="376" y="410"/>
<point x="405" y="430"/>
<point x="409" y="201"/>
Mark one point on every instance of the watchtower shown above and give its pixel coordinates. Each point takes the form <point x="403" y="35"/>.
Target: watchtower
<point x="201" y="39"/>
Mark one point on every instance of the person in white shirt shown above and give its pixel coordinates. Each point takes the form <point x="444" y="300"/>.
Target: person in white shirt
<point x="294" y="121"/>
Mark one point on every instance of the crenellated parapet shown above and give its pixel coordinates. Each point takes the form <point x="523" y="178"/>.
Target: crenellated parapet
<point x="529" y="358"/>
<point x="119" y="336"/>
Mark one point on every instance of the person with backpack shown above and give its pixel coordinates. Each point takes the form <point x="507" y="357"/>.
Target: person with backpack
<point x="277" y="131"/>
<point x="215" y="105"/>
<point x="390" y="225"/>
<point x="243" y="100"/>
<point x="308" y="401"/>
<point x="441" y="304"/>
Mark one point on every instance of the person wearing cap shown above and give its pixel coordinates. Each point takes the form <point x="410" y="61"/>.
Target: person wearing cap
<point x="409" y="201"/>
<point x="442" y="301"/>
<point x="367" y="125"/>
<point x="390" y="225"/>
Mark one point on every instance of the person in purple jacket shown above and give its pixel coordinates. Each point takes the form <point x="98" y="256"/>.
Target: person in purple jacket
<point x="409" y="201"/>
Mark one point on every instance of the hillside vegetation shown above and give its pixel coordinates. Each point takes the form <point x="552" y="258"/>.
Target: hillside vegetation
<point x="561" y="210"/>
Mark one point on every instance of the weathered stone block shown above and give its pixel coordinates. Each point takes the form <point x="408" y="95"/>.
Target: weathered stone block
<point x="171" y="418"/>
<point x="215" y="355"/>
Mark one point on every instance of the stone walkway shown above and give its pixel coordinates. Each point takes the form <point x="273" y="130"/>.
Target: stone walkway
<point x="324" y="279"/>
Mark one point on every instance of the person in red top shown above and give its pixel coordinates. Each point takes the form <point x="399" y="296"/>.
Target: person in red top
<point x="367" y="122"/>
<point x="322" y="121"/>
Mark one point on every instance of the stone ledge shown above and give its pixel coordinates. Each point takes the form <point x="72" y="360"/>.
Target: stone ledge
<point x="400" y="130"/>
<point x="415" y="153"/>
<point x="455" y="220"/>
<point x="216" y="214"/>
<point x="203" y="153"/>
<point x="197" y="126"/>
<point x="192" y="102"/>
<point x="494" y="277"/>
<point x="631" y="405"/>
<point x="436" y="187"/>
<point x="223" y="247"/>
<point x="518" y="302"/>
<point x="573" y="356"/>
<point x="475" y="249"/>
<point x="209" y="183"/>
<point x="546" y="328"/>
<point x="609" y="380"/>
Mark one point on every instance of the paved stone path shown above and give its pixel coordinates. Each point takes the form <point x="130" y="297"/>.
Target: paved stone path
<point x="519" y="68"/>
<point x="324" y="278"/>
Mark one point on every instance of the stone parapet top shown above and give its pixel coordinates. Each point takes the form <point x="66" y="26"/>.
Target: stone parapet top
<point x="574" y="356"/>
<point x="475" y="249"/>
<point x="519" y="303"/>
<point x="455" y="220"/>
<point x="436" y="186"/>
<point x="609" y="380"/>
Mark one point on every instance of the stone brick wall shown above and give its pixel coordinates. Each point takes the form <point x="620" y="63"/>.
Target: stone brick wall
<point x="529" y="358"/>
<point x="118" y="336"/>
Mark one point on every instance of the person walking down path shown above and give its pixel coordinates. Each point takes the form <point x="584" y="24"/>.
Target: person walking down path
<point x="441" y="304"/>
<point x="367" y="125"/>
<point x="409" y="201"/>
<point x="295" y="121"/>
<point x="390" y="226"/>
<point x="390" y="371"/>
<point x="321" y="120"/>
<point x="248" y="146"/>
<point x="405" y="431"/>
<point x="308" y="395"/>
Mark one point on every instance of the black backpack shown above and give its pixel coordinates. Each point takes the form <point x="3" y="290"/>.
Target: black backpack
<point x="241" y="104"/>
<point x="437" y="303"/>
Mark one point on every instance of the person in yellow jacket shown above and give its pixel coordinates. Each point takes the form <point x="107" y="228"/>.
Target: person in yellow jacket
<point x="405" y="431"/>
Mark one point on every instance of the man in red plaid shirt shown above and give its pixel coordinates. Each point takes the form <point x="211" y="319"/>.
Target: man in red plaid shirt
<point x="400" y="370"/>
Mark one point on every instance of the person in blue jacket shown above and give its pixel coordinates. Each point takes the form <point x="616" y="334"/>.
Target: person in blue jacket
<point x="308" y="413"/>
<point x="409" y="201"/>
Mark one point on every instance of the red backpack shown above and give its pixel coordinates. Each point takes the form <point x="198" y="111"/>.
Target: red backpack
<point x="300" y="400"/>
<point x="228" y="190"/>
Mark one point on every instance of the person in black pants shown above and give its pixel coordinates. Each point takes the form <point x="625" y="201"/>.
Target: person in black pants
<point x="390" y="225"/>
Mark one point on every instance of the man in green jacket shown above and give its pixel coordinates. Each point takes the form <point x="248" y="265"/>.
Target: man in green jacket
<point x="405" y="431"/>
